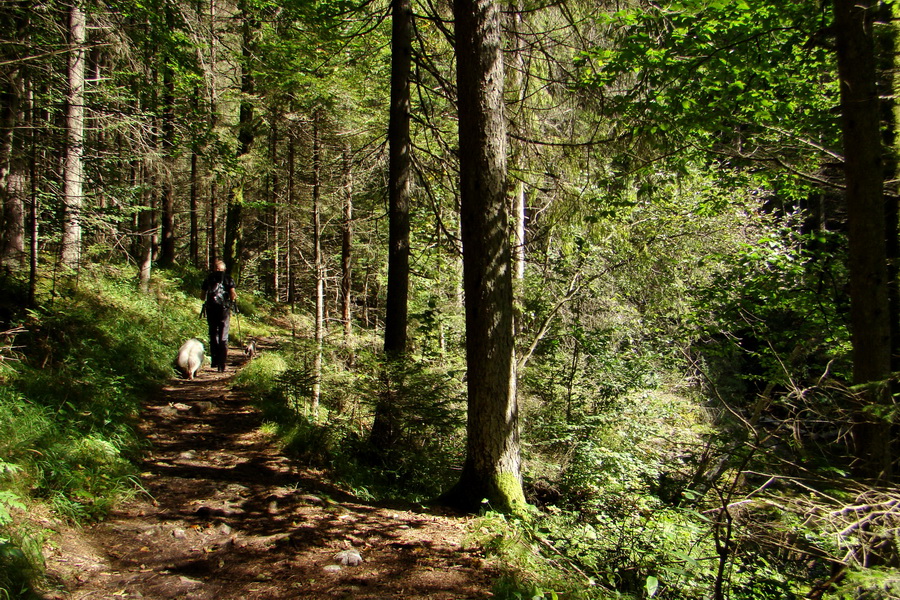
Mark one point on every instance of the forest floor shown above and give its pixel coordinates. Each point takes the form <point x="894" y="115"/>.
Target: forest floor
<point x="226" y="516"/>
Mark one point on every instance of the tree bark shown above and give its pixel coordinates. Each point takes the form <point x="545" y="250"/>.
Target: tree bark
<point x="246" y="135"/>
<point x="73" y="171"/>
<point x="146" y="232"/>
<point x="320" y="272"/>
<point x="518" y="81"/>
<point x="33" y="195"/>
<point x="385" y="425"/>
<point x="396" y="307"/>
<point x="869" y="305"/>
<point x="12" y="145"/>
<point x="212" y="245"/>
<point x="167" y="203"/>
<point x="194" y="248"/>
<point x="12" y="158"/>
<point x="213" y="223"/>
<point x="12" y="173"/>
<point x="888" y="88"/>
<point x="347" y="248"/>
<point x="288" y="263"/>
<point x="275" y="193"/>
<point x="519" y="253"/>
<point x="492" y="466"/>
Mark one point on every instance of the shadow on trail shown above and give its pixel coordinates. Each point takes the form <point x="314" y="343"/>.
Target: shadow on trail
<point x="226" y="516"/>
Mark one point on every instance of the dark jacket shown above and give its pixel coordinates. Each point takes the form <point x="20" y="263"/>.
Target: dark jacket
<point x="209" y="286"/>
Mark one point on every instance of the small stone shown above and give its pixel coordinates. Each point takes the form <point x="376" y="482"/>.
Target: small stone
<point x="189" y="582"/>
<point x="348" y="557"/>
<point x="178" y="534"/>
<point x="332" y="568"/>
<point x="201" y="407"/>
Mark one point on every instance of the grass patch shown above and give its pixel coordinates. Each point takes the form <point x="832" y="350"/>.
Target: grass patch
<point x="71" y="388"/>
<point x="427" y="406"/>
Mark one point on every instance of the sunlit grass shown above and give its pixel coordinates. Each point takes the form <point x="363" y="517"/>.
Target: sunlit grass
<point x="69" y="400"/>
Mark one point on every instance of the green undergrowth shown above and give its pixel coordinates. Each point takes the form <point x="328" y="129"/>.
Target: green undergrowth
<point x="642" y="486"/>
<point x="72" y="377"/>
<point x="650" y="494"/>
<point x="646" y="499"/>
<point x="427" y="408"/>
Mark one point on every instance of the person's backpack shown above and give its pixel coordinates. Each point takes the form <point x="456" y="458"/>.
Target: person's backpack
<point x="216" y="294"/>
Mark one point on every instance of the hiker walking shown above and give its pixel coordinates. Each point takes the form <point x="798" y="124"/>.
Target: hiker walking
<point x="220" y="296"/>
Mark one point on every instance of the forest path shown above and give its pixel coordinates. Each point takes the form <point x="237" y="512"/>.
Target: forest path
<point x="227" y="517"/>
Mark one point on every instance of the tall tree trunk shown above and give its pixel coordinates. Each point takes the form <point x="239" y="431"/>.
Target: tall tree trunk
<point x="146" y="231"/>
<point x="888" y="88"/>
<point x="213" y="224"/>
<point x="385" y="426"/>
<point x="395" y="320"/>
<point x="518" y="81"/>
<point x="212" y="247"/>
<point x="12" y="173"/>
<point x="319" y="262"/>
<point x="150" y="180"/>
<point x="12" y="147"/>
<point x="365" y="294"/>
<point x="275" y="192"/>
<point x="94" y="127"/>
<point x="167" y="203"/>
<point x="347" y="248"/>
<point x="234" y="217"/>
<point x="73" y="171"/>
<point x="194" y="250"/>
<point x="863" y="165"/>
<point x="194" y="189"/>
<point x="288" y="264"/>
<point x="492" y="466"/>
<point x="33" y="194"/>
<point x="231" y="251"/>
<point x="519" y="253"/>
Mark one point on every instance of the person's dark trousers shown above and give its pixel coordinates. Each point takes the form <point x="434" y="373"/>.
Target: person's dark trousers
<point x="218" y="318"/>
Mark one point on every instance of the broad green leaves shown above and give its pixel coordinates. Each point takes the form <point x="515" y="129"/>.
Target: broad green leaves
<point x="751" y="83"/>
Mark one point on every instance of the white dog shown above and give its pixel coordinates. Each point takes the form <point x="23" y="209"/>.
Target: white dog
<point x="190" y="358"/>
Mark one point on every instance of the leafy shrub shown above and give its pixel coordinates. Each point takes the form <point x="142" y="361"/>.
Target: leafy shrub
<point x="426" y="410"/>
<point x="17" y="569"/>
<point x="21" y="561"/>
<point x="785" y="323"/>
<point x="628" y="448"/>
<point x="67" y="409"/>
<point x="23" y="426"/>
<point x="870" y="584"/>
<point x="85" y="476"/>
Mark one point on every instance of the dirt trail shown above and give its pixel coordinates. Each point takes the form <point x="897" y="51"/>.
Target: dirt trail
<point x="227" y="517"/>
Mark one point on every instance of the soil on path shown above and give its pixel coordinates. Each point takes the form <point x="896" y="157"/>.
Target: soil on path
<point x="227" y="517"/>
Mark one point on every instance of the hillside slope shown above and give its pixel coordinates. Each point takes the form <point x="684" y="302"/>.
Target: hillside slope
<point x="226" y="517"/>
